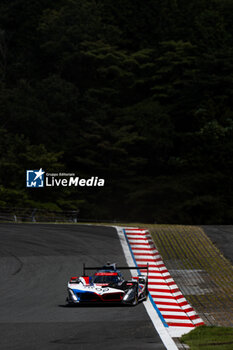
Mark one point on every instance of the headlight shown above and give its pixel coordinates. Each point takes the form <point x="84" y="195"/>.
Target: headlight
<point x="72" y="294"/>
<point x="129" y="295"/>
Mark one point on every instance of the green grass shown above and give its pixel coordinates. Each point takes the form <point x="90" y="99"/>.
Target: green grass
<point x="209" y="338"/>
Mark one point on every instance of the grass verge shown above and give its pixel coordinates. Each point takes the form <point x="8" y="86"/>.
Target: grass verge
<point x="209" y="338"/>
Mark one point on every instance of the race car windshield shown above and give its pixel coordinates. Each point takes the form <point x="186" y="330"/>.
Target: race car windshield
<point x="106" y="279"/>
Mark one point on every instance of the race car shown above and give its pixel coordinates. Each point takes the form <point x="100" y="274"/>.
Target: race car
<point x="108" y="285"/>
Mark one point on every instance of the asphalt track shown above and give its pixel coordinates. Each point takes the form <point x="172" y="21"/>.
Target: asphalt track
<point x="36" y="261"/>
<point x="222" y="237"/>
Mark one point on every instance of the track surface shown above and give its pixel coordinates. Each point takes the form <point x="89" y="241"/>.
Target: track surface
<point x="222" y="237"/>
<point x="36" y="261"/>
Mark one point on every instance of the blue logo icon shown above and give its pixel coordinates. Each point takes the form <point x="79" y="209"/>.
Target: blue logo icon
<point x="35" y="178"/>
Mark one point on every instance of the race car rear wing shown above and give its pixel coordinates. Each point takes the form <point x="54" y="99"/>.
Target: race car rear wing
<point x="114" y="267"/>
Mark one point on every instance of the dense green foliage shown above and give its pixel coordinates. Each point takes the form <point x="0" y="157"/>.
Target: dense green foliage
<point x="209" y="338"/>
<point x="139" y="93"/>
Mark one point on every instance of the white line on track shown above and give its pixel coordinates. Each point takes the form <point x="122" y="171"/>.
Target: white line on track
<point x="160" y="328"/>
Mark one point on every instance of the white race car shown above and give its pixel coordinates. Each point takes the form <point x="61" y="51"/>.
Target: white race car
<point x="108" y="285"/>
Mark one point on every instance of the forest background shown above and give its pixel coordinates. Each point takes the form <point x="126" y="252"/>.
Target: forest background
<point x="136" y="92"/>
